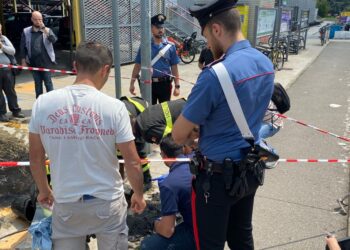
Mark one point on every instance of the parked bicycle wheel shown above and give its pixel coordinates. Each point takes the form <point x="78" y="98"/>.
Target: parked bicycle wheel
<point x="187" y="56"/>
<point x="277" y="59"/>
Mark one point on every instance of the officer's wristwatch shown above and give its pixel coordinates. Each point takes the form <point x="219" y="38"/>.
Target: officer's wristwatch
<point x="177" y="86"/>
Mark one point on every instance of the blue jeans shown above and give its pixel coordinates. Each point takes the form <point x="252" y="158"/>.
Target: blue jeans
<point x="267" y="130"/>
<point x="39" y="77"/>
<point x="182" y="239"/>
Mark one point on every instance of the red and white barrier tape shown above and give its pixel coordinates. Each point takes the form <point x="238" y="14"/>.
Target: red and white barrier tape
<point x="174" y="76"/>
<point x="315" y="160"/>
<point x="26" y="163"/>
<point x="314" y="127"/>
<point x="10" y="66"/>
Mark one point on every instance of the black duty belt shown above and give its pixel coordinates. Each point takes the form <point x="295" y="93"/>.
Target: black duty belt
<point x="213" y="167"/>
<point x="161" y="79"/>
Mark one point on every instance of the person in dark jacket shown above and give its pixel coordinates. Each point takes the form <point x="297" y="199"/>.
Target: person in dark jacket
<point x="135" y="106"/>
<point x="37" y="51"/>
<point x="7" y="81"/>
<point x="205" y="58"/>
<point x="175" y="197"/>
<point x="156" y="121"/>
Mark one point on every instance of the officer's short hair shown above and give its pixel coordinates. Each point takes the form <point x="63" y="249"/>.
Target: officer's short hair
<point x="92" y="56"/>
<point x="169" y="147"/>
<point x="230" y="19"/>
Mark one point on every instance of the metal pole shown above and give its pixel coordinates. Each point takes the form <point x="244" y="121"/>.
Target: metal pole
<point x="164" y="8"/>
<point x="2" y="15"/>
<point x="278" y="22"/>
<point x="15" y="6"/>
<point x="30" y="4"/>
<point x="146" y="75"/>
<point x="145" y="85"/>
<point x="116" y="50"/>
<point x="256" y="20"/>
<point x="80" y="5"/>
<point x="71" y="35"/>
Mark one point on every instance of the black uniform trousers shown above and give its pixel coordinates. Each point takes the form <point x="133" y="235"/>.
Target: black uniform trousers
<point x="220" y="217"/>
<point x="161" y="91"/>
<point x="7" y="85"/>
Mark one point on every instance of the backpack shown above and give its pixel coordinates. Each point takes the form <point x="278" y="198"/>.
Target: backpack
<point x="280" y="98"/>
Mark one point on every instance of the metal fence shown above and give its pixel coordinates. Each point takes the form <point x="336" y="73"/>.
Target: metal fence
<point x="96" y="20"/>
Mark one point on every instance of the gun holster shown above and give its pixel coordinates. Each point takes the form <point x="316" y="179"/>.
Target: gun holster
<point x="228" y="172"/>
<point x="196" y="163"/>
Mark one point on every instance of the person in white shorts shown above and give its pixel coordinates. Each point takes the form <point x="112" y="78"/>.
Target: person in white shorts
<point x="79" y="128"/>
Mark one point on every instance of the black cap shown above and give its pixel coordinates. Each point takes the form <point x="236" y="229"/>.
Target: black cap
<point x="205" y="10"/>
<point x="158" y="20"/>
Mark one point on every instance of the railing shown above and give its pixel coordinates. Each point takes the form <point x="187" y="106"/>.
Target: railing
<point x="180" y="18"/>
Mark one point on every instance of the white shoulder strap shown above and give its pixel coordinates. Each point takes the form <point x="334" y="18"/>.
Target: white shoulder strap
<point x="160" y="54"/>
<point x="232" y="100"/>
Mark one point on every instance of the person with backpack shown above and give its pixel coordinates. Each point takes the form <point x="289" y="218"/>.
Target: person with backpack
<point x="280" y="103"/>
<point x="7" y="81"/>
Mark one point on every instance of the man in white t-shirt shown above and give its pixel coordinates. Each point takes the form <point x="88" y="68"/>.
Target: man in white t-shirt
<point x="79" y="128"/>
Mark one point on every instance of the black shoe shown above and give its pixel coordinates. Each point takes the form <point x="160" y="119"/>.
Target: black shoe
<point x="147" y="177"/>
<point x="18" y="114"/>
<point x="4" y="118"/>
<point x="147" y="181"/>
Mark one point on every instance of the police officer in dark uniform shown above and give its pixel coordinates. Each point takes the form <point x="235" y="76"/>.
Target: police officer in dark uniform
<point x="135" y="106"/>
<point x="228" y="169"/>
<point x="157" y="120"/>
<point x="164" y="63"/>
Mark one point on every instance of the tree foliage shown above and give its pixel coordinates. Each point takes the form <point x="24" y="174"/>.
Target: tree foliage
<point x="323" y="8"/>
<point x="337" y="6"/>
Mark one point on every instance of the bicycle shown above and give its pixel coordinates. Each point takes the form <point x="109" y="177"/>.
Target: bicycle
<point x="188" y="47"/>
<point x="281" y="43"/>
<point x="296" y="43"/>
<point x="275" y="54"/>
<point x="322" y="32"/>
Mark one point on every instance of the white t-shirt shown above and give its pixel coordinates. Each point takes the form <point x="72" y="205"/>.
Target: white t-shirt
<point x="79" y="127"/>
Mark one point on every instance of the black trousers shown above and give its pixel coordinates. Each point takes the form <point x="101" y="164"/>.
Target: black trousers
<point x="7" y="85"/>
<point x="161" y="92"/>
<point x="220" y="217"/>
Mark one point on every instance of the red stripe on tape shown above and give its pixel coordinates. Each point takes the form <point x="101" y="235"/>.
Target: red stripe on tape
<point x="333" y="160"/>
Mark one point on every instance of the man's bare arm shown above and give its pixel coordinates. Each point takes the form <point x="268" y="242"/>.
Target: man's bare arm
<point x="37" y="167"/>
<point x="165" y="226"/>
<point x="132" y="166"/>
<point x="184" y="131"/>
<point x="134" y="75"/>
<point x="37" y="162"/>
<point x="175" y="71"/>
<point x="134" y="173"/>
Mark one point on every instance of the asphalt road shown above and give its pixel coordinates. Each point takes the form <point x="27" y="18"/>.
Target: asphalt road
<point x="298" y="202"/>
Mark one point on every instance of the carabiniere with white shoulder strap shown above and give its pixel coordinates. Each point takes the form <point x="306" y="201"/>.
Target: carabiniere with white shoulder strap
<point x="255" y="158"/>
<point x="160" y="54"/>
<point x="263" y="152"/>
